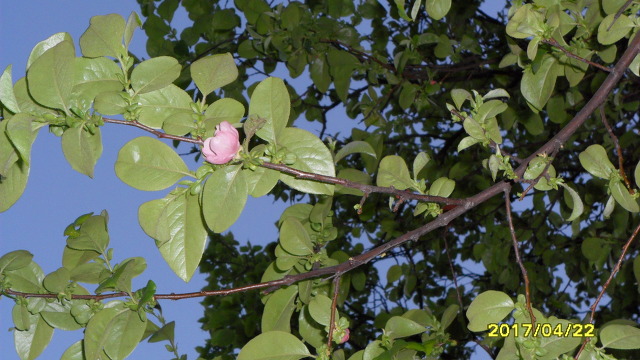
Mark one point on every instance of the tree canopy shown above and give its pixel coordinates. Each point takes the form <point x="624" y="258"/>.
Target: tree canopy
<point x="460" y="198"/>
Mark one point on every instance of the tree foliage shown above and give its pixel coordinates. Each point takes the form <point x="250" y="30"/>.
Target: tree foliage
<point x="402" y="240"/>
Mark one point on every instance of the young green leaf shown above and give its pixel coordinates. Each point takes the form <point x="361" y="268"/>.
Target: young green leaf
<point x="311" y="155"/>
<point x="148" y="164"/>
<point x="488" y="307"/>
<point x="213" y="72"/>
<point x="596" y="161"/>
<point x="82" y="149"/>
<point x="393" y="171"/>
<point x="154" y="74"/>
<point x="103" y="37"/>
<point x="270" y="101"/>
<point x="274" y="345"/>
<point x="223" y="198"/>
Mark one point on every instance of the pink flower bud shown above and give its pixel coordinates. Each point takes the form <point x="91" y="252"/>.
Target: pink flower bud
<point x="345" y="338"/>
<point x="223" y="146"/>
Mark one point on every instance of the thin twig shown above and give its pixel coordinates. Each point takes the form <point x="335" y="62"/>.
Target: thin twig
<point x="606" y="284"/>
<point x="545" y="173"/>
<point x="554" y="43"/>
<point x="334" y="304"/>
<point x="619" y="13"/>
<point x="616" y="143"/>
<point x="367" y="189"/>
<point x="155" y="132"/>
<point x="516" y="249"/>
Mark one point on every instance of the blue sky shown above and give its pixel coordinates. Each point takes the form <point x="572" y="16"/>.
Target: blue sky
<point x="56" y="194"/>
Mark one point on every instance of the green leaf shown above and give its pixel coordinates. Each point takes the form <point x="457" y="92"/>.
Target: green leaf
<point x="311" y="332"/>
<point x="352" y="175"/>
<point x="155" y="74"/>
<point x="176" y="223"/>
<point x="401" y="11"/>
<point x="341" y="67"/>
<point x="319" y="72"/>
<point x="7" y="96"/>
<point x="620" y="28"/>
<point x="622" y="196"/>
<point x="20" y="132"/>
<point x="623" y="337"/>
<point x="526" y="22"/>
<point x="557" y="345"/>
<point x="353" y="147"/>
<point x="156" y="106"/>
<point x="274" y="345"/>
<point x="449" y="315"/>
<point x="537" y="87"/>
<point x="488" y="307"/>
<point x="51" y="76"/>
<point x="466" y="142"/>
<point x="393" y="171"/>
<point x="58" y="315"/>
<point x="278" y="310"/>
<point x="82" y="149"/>
<point x="415" y="8"/>
<point x="94" y="235"/>
<point x="116" y="331"/>
<point x="442" y="187"/>
<point x="133" y="22"/>
<point x="311" y="155"/>
<point x="57" y="281"/>
<point x="578" y="206"/>
<point x="270" y="101"/>
<point x="474" y="129"/>
<point x="421" y="160"/>
<point x="166" y="333"/>
<point x="223" y="198"/>
<point x="535" y="168"/>
<point x="226" y="109"/>
<point x="294" y="238"/>
<point x="398" y="327"/>
<point x="103" y="37"/>
<point x="596" y="161"/>
<point x="148" y="164"/>
<point x="26" y="279"/>
<point x="15" y="260"/>
<point x="459" y="96"/>
<point x="30" y="343"/>
<point x="437" y="9"/>
<point x="636" y="174"/>
<point x="320" y="309"/>
<point x="12" y="184"/>
<point x="261" y="181"/>
<point x="47" y="44"/>
<point x="110" y="103"/>
<point x="180" y="124"/>
<point x="74" y="352"/>
<point x="213" y="72"/>
<point x="93" y="77"/>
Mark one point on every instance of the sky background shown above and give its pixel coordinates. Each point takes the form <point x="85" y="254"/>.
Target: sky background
<point x="56" y="194"/>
